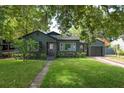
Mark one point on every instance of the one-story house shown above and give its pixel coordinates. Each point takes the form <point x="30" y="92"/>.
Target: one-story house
<point x="53" y="44"/>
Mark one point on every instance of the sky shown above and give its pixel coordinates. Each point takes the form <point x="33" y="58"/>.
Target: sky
<point x="54" y="26"/>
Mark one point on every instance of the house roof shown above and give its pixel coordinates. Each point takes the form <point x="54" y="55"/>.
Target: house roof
<point x="36" y="32"/>
<point x="60" y="37"/>
<point x="82" y="41"/>
<point x="54" y="35"/>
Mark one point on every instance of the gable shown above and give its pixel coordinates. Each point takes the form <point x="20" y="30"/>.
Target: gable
<point x="97" y="43"/>
<point x="39" y="36"/>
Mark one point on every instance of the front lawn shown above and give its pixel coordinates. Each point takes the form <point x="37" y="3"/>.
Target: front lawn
<point x="18" y="74"/>
<point x="83" y="72"/>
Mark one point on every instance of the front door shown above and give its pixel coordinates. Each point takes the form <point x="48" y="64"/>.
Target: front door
<point x="51" y="49"/>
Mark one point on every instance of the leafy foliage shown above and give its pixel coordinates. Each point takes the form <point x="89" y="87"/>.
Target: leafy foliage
<point x="93" y="21"/>
<point x="16" y="21"/>
<point x="118" y="50"/>
<point x="25" y="47"/>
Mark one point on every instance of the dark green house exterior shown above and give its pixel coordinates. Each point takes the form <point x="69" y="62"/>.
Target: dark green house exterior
<point x="54" y="44"/>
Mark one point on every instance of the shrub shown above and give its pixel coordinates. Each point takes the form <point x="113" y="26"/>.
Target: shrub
<point x="6" y="54"/>
<point x="66" y="54"/>
<point x="71" y="54"/>
<point x="80" y="54"/>
<point x="26" y="48"/>
<point x="17" y="55"/>
<point x="121" y="52"/>
<point x="37" y="55"/>
<point x="43" y="56"/>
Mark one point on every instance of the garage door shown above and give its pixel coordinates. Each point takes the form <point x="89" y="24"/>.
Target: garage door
<point x="96" y="51"/>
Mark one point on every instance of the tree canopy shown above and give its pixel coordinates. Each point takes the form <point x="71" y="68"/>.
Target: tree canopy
<point x="16" y="21"/>
<point x="87" y="21"/>
<point x="93" y="21"/>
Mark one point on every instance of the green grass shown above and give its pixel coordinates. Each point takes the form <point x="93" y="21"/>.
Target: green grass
<point x="83" y="72"/>
<point x="18" y="74"/>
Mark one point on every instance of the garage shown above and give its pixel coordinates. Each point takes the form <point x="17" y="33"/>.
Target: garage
<point x="96" y="51"/>
<point x="96" y="48"/>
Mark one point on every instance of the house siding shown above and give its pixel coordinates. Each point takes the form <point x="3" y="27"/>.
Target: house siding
<point x="42" y="39"/>
<point x="109" y="51"/>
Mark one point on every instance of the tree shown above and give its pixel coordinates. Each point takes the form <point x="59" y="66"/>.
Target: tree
<point x="75" y="32"/>
<point x="117" y="49"/>
<point x="26" y="47"/>
<point x="16" y="21"/>
<point x="91" y="21"/>
<point x="95" y="21"/>
<point x="86" y="18"/>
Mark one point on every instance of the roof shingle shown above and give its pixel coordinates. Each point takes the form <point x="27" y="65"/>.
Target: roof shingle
<point x="60" y="37"/>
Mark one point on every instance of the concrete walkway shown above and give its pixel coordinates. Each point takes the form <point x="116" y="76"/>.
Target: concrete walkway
<point x="107" y="61"/>
<point x="40" y="76"/>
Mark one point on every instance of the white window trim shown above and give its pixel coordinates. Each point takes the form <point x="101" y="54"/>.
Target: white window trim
<point x="62" y="46"/>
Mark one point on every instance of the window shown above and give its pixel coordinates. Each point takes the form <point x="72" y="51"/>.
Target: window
<point x="67" y="46"/>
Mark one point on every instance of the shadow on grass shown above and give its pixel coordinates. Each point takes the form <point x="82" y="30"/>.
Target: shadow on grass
<point x="83" y="72"/>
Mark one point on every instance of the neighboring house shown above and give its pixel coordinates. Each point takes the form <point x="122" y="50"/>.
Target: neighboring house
<point x="6" y="47"/>
<point x="108" y="50"/>
<point x="53" y="44"/>
<point x="119" y="41"/>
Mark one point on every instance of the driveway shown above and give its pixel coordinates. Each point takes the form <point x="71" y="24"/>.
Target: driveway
<point x="107" y="61"/>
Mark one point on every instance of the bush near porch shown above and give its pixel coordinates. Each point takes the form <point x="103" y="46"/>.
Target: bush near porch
<point x="31" y="55"/>
<point x="71" y="54"/>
